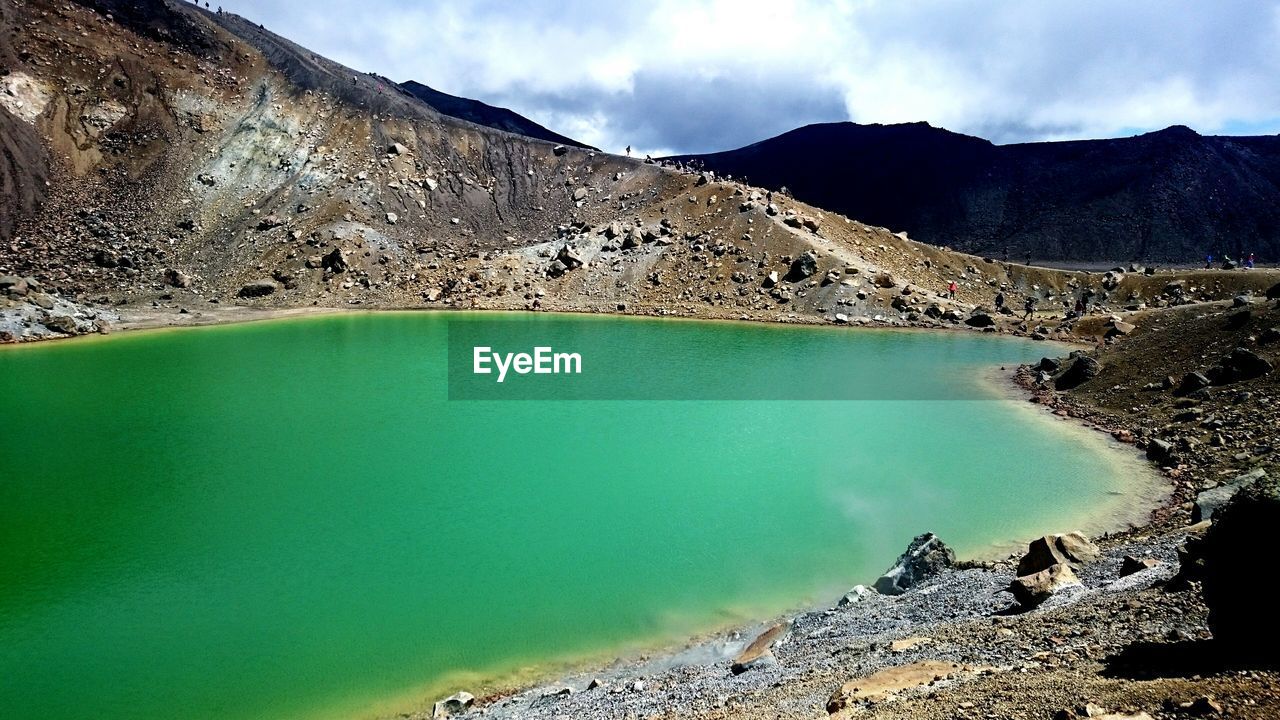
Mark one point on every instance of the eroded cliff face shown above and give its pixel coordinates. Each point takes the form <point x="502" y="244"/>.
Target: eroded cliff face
<point x="24" y="163"/>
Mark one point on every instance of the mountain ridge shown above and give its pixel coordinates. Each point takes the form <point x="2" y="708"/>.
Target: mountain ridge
<point x="482" y="113"/>
<point x="1171" y="195"/>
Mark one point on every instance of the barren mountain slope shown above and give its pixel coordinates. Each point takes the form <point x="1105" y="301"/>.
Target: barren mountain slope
<point x="199" y="160"/>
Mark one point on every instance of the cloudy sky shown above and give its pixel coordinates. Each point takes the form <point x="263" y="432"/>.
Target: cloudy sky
<point x="702" y="75"/>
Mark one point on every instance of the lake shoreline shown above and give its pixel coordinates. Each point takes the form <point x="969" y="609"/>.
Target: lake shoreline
<point x="140" y="319"/>
<point x="640" y="657"/>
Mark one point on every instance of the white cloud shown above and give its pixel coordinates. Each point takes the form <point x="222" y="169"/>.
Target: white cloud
<point x="700" y="75"/>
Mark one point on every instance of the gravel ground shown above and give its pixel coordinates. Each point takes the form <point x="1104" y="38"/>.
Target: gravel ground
<point x="960" y="613"/>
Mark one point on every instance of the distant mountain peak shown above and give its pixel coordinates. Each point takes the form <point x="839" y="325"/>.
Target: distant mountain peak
<point x="1176" y="132"/>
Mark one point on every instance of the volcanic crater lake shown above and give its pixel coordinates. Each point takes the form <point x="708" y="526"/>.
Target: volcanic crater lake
<point x="328" y="517"/>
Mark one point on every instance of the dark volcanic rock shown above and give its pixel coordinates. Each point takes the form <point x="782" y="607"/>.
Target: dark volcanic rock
<point x="1081" y="369"/>
<point x="1212" y="500"/>
<point x="980" y="320"/>
<point x="1131" y="565"/>
<point x="335" y="261"/>
<point x="1242" y="364"/>
<point x="925" y="556"/>
<point x="1230" y="561"/>
<point x="1192" y="382"/>
<point x="803" y="267"/>
<point x="1159" y="450"/>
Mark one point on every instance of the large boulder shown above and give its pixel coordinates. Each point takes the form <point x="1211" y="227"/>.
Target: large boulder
<point x="177" y="278"/>
<point x="258" y="288"/>
<point x="335" y="261"/>
<point x="856" y="595"/>
<point x="569" y="257"/>
<point x="453" y="705"/>
<point x="803" y="267"/>
<point x="1071" y="548"/>
<point x="1191" y="382"/>
<point x="1242" y="364"/>
<point x="1119" y="328"/>
<point x="760" y="652"/>
<point x="13" y="286"/>
<point x="1210" y="501"/>
<point x="1160" y="451"/>
<point x="925" y="556"/>
<point x="1031" y="590"/>
<point x="980" y="319"/>
<point x="1231" y="560"/>
<point x="632" y="238"/>
<point x="1131" y="565"/>
<point x="64" y="324"/>
<point x="1081" y="369"/>
<point x="1273" y="292"/>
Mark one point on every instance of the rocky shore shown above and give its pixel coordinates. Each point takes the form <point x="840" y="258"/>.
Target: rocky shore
<point x="1122" y="632"/>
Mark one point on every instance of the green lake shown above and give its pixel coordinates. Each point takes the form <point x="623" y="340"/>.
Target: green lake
<point x="314" y="518"/>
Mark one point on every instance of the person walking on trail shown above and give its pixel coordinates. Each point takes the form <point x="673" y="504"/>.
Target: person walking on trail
<point x="1028" y="307"/>
<point x="1208" y="261"/>
<point x="1000" y="301"/>
<point x="951" y="290"/>
<point x="628" y="151"/>
<point x="1249" y="263"/>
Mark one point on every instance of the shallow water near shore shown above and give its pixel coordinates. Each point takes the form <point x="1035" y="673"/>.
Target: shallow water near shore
<point x="292" y="519"/>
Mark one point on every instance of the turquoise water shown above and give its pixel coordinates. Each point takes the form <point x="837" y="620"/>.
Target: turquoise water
<point x="291" y="519"/>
